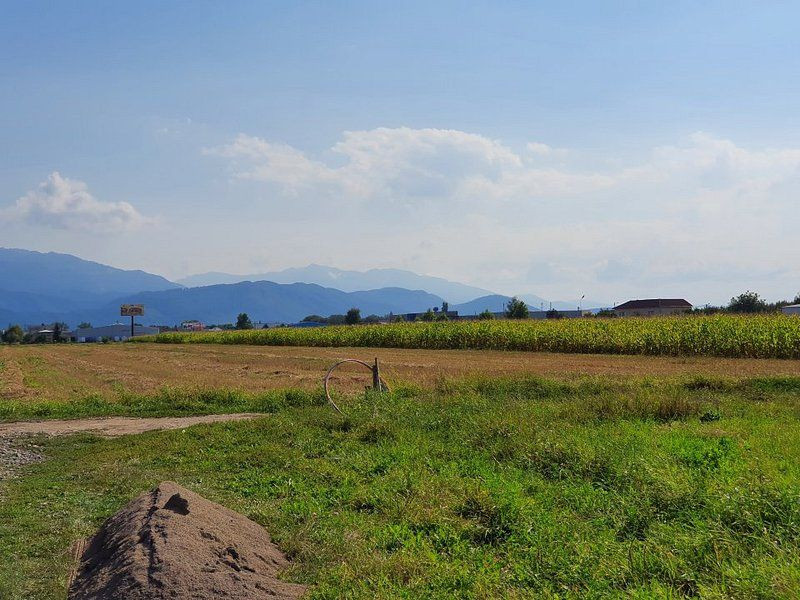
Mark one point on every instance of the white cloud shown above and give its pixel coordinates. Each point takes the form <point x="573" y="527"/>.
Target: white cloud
<point x="406" y="166"/>
<point x="540" y="149"/>
<point x="64" y="203"/>
<point x="689" y="218"/>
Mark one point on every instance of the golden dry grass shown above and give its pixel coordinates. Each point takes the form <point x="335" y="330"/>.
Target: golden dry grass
<point x="62" y="372"/>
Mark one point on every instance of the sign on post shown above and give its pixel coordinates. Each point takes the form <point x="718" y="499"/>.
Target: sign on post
<point x="131" y="310"/>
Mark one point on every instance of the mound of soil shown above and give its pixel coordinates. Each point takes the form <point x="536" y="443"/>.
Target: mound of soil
<point x="173" y="543"/>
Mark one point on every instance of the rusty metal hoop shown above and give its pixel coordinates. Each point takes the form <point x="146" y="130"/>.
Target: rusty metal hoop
<point x="381" y="384"/>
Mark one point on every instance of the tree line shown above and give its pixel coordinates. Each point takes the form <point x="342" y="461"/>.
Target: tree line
<point x="745" y="303"/>
<point x="748" y="303"/>
<point x="14" y="334"/>
<point x="514" y="309"/>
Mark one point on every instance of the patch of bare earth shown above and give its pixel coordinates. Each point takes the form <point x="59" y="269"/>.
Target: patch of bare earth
<point x="16" y="453"/>
<point x="173" y="543"/>
<point x="113" y="426"/>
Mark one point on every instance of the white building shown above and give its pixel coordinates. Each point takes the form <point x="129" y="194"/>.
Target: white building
<point x="792" y="309"/>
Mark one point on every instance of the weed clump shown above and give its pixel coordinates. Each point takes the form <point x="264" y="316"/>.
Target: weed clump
<point x="661" y="406"/>
<point x="492" y="523"/>
<point x="375" y="433"/>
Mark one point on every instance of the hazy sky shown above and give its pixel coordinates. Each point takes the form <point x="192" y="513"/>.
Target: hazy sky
<point x="609" y="149"/>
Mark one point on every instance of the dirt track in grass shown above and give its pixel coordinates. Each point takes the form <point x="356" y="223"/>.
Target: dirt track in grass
<point x="112" y="426"/>
<point x="68" y="371"/>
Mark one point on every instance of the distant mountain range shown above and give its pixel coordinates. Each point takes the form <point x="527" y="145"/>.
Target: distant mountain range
<point x="458" y="294"/>
<point x="349" y="281"/>
<point x="43" y="287"/>
<point x="40" y="287"/>
<point x="266" y="301"/>
<point x="64" y="275"/>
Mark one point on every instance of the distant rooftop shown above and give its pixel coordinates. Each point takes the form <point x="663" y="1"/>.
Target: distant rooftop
<point x="654" y="303"/>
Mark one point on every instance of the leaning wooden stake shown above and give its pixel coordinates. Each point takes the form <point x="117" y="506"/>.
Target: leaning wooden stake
<point x="376" y="376"/>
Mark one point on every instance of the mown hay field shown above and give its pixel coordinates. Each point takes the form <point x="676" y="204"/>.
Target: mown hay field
<point x="733" y="336"/>
<point x="39" y="381"/>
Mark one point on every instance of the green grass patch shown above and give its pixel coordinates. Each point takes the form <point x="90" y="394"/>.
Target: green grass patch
<point x="527" y="488"/>
<point x="579" y="400"/>
<point x="168" y="402"/>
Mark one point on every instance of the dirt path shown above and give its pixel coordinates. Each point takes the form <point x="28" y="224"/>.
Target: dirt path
<point x="113" y="426"/>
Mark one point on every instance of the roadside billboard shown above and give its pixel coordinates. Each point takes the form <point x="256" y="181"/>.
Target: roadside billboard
<point x="131" y="310"/>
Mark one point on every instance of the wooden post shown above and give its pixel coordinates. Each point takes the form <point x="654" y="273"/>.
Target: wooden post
<point x="376" y="377"/>
<point x="132" y="334"/>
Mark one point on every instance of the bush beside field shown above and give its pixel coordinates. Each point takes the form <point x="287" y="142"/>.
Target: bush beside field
<point x="736" y="336"/>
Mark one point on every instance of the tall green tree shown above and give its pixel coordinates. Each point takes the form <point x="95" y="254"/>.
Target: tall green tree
<point x="517" y="309"/>
<point x="486" y="315"/>
<point x="748" y="302"/>
<point x="427" y="316"/>
<point x="58" y="332"/>
<point x="314" y="319"/>
<point x="353" y="316"/>
<point x="243" y="321"/>
<point x="13" y="335"/>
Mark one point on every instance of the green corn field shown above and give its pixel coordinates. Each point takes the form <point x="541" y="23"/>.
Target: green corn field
<point x="770" y="336"/>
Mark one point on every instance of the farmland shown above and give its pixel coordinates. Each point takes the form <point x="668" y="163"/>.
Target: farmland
<point x="734" y="336"/>
<point x="495" y="487"/>
<point x="483" y="474"/>
<point x="62" y="380"/>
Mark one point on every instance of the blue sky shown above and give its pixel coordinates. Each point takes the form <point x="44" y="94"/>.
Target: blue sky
<point x="612" y="149"/>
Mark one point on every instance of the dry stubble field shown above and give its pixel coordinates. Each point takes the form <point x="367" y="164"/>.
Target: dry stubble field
<point x="63" y="372"/>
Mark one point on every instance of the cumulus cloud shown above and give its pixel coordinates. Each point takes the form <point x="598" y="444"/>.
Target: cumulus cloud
<point x="406" y="166"/>
<point x="64" y="203"/>
<point x="702" y="213"/>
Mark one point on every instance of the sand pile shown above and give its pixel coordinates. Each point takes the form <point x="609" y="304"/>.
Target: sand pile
<point x="173" y="543"/>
